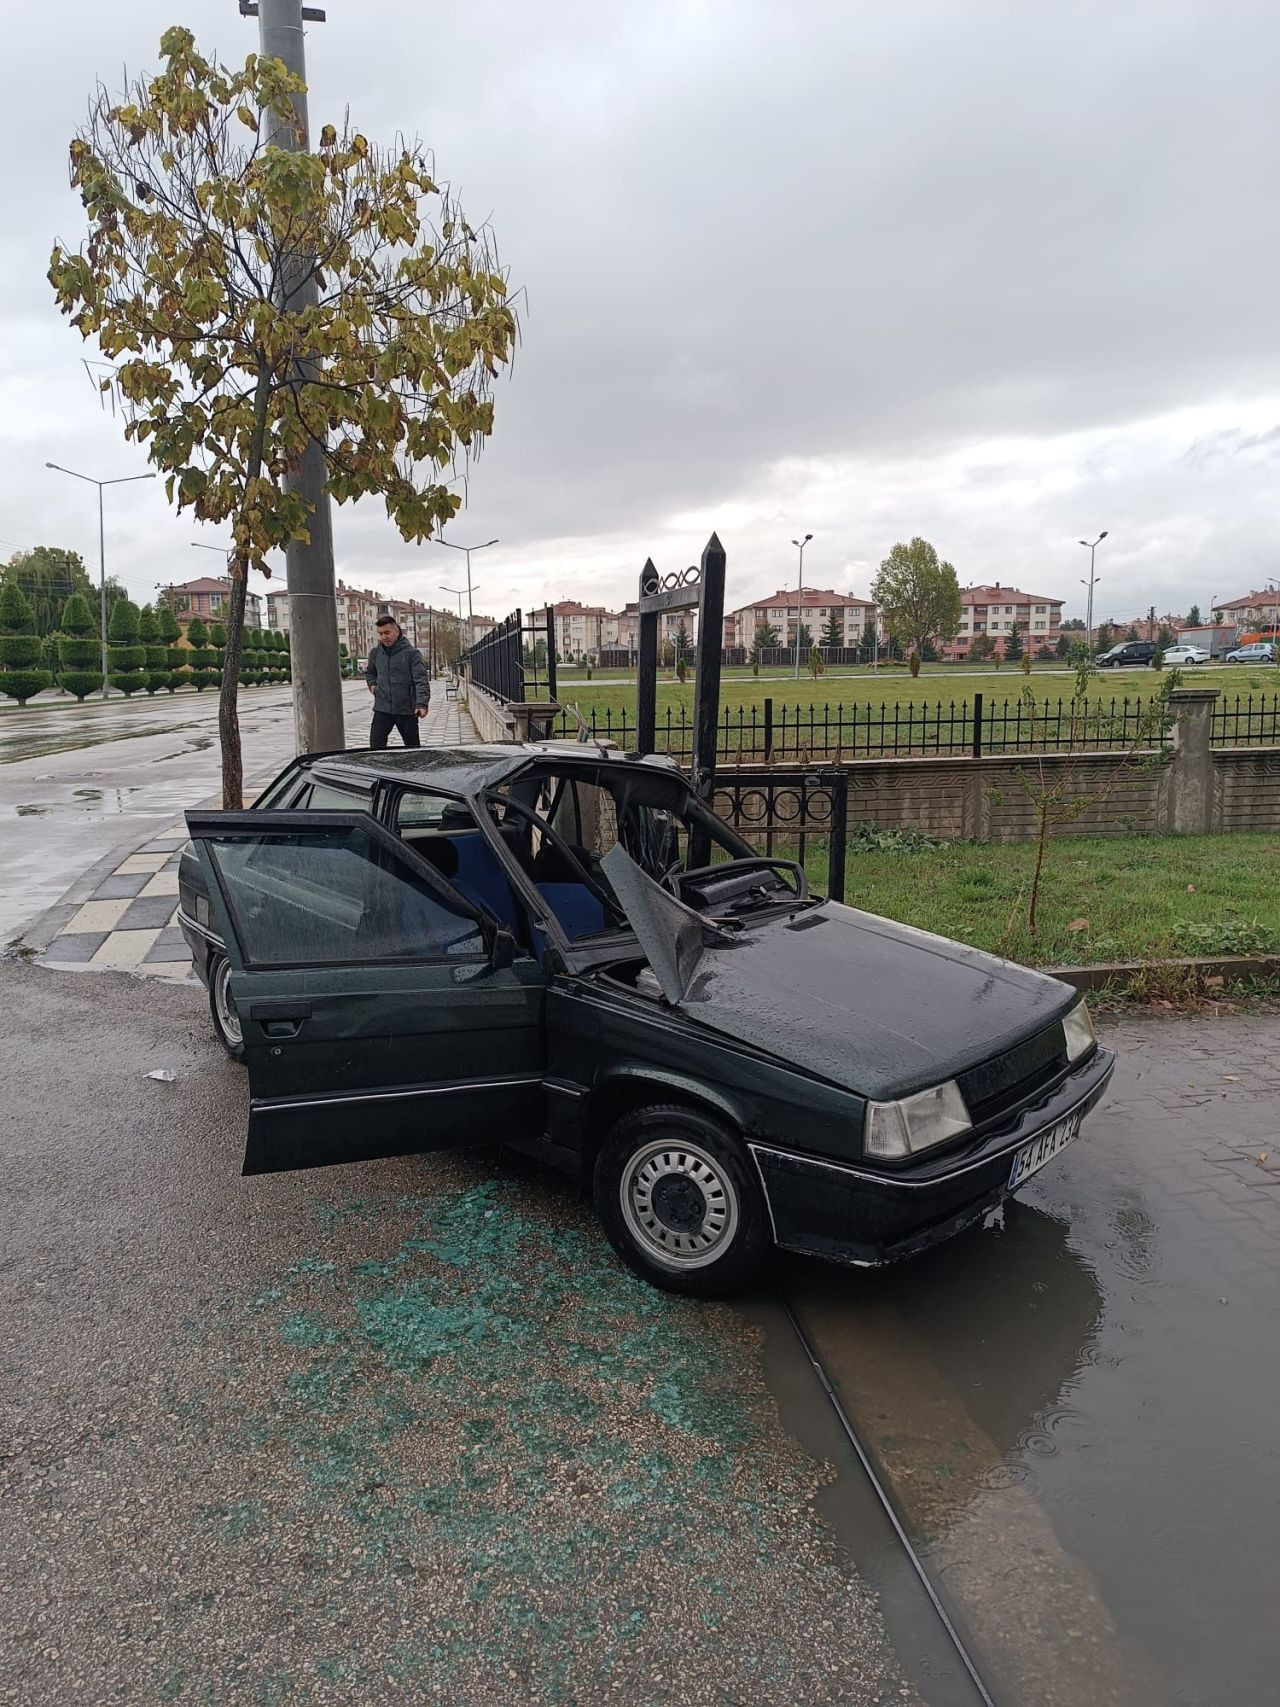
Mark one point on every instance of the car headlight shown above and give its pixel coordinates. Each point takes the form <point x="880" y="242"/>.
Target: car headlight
<point x="1079" y="1032"/>
<point x="897" y="1129"/>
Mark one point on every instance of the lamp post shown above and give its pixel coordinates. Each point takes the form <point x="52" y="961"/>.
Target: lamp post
<point x="458" y="593"/>
<point x="800" y="543"/>
<point x="1088" y="621"/>
<point x="121" y="480"/>
<point x="471" y="615"/>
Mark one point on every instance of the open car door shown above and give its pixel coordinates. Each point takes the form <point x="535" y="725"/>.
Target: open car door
<point x="382" y="1013"/>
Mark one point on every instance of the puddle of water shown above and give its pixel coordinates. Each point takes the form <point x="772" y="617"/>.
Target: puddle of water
<point x="32" y="811"/>
<point x="1076" y="1413"/>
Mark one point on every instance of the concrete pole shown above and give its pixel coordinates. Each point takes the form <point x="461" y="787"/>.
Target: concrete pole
<point x="313" y="608"/>
<point x="102" y="585"/>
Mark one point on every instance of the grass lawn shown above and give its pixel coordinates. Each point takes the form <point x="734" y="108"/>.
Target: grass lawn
<point x="1140" y="896"/>
<point x="888" y="687"/>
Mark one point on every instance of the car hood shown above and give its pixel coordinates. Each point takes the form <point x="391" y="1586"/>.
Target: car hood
<point x="877" y="1007"/>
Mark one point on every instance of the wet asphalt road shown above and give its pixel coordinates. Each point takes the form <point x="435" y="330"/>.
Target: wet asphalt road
<point x="404" y="1431"/>
<point x="1076" y="1409"/>
<point x="396" y="1433"/>
<point x="76" y="781"/>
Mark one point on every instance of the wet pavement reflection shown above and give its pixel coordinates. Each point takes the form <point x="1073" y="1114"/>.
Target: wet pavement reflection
<point x="1075" y="1406"/>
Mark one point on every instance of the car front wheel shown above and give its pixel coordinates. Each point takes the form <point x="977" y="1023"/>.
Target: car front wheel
<point x="222" y="1005"/>
<point x="679" y="1199"/>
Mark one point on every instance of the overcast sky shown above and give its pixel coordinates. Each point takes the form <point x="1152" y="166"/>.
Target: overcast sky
<point x="1000" y="274"/>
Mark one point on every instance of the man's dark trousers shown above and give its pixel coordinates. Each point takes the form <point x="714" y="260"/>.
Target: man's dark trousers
<point x="384" y="723"/>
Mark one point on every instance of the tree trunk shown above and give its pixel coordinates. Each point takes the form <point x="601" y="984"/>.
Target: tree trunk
<point x="229" y="692"/>
<point x="1041" y="840"/>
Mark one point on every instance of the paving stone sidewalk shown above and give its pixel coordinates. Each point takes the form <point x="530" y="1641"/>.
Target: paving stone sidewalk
<point x="121" y="916"/>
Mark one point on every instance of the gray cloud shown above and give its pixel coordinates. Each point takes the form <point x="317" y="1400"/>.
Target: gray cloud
<point x="940" y="268"/>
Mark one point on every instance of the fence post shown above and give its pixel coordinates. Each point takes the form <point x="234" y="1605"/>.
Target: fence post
<point x="768" y="731"/>
<point x="839" y="835"/>
<point x="551" y="652"/>
<point x="1191" y="807"/>
<point x="647" y="670"/>
<point x="977" y="725"/>
<point x="707" y="695"/>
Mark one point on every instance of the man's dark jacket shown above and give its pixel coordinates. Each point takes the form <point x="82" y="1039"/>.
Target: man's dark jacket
<point x="398" y="678"/>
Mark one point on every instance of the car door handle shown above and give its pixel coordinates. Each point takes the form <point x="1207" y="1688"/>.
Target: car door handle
<point x="280" y="1019"/>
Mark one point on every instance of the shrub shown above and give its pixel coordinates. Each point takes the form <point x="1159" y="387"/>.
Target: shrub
<point x="157" y="679"/>
<point x="21" y="651"/>
<point x="197" y="633"/>
<point x="915" y="665"/>
<point x="177" y="679"/>
<point x="75" y="653"/>
<point x="1024" y="663"/>
<point x="176" y="657"/>
<point x="217" y="636"/>
<point x="168" y="631"/>
<point x="202" y="679"/>
<point x="81" y="682"/>
<point x="78" y="619"/>
<point x="21" y="684"/>
<point x="201" y="658"/>
<point x="127" y="681"/>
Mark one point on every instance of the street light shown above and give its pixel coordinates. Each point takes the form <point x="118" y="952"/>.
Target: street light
<point x="801" y="543"/>
<point x="121" y="480"/>
<point x="1088" y="621"/>
<point x="471" y="615"/>
<point x="458" y="593"/>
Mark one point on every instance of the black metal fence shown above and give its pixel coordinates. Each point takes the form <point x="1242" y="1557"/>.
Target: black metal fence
<point x="777" y="732"/>
<point x="1246" y="720"/>
<point x="791" y="814"/>
<point x="516" y="661"/>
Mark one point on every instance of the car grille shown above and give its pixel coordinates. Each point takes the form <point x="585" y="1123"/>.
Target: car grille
<point x="1011" y="1078"/>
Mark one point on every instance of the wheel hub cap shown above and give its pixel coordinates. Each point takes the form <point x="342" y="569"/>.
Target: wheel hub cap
<point x="679" y="1204"/>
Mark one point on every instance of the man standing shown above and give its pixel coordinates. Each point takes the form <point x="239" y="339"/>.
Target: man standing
<point x="397" y="679"/>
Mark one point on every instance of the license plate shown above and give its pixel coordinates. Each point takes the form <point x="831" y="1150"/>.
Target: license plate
<point x="1033" y="1156"/>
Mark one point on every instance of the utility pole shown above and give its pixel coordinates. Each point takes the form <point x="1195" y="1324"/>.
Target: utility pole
<point x="123" y="480"/>
<point x="313" y="606"/>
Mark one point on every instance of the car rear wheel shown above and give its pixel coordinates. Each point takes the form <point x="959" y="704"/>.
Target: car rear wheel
<point x="678" y="1197"/>
<point x="226" y="1021"/>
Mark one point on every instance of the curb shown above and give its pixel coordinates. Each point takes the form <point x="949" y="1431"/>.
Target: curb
<point x="1232" y="967"/>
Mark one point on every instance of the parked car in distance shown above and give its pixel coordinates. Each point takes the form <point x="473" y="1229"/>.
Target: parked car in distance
<point x="1128" y="652"/>
<point x="1257" y="652"/>
<point x="559" y="949"/>
<point x="1187" y="655"/>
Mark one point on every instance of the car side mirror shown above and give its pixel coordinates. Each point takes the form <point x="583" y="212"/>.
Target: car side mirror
<point x="502" y="950"/>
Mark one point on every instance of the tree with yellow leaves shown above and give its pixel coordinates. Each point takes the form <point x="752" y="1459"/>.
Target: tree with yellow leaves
<point x="202" y="231"/>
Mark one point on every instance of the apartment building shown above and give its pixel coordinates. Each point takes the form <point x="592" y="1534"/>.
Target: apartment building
<point x="209" y="598"/>
<point x="782" y="611"/>
<point x="994" y="610"/>
<point x="278" y="611"/>
<point x="582" y="631"/>
<point x="1250" y="611"/>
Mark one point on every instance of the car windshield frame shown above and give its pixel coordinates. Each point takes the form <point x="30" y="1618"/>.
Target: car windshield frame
<point x="685" y="805"/>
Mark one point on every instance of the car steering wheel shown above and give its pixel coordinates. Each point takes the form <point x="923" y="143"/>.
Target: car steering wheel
<point x="679" y="879"/>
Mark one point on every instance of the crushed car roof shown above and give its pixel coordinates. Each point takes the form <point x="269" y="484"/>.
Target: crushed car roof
<point x="464" y="770"/>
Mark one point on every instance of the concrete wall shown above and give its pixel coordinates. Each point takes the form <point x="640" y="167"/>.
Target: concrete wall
<point x="1246" y="788"/>
<point x="492" y="719"/>
<point x="994" y="799"/>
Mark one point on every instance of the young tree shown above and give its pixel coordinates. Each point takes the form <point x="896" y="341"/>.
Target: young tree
<point x="1013" y="643"/>
<point x="806" y="637"/>
<point x="125" y="656"/>
<point x="79" y="648"/>
<point x="1106" y="638"/>
<point x="870" y="645"/>
<point x="816" y="663"/>
<point x="1193" y="617"/>
<point x="202" y="232"/>
<point x="918" y="595"/>
<point x="1073" y="625"/>
<point x="1164" y="638"/>
<point x="833" y="631"/>
<point x="1062" y="649"/>
<point x="765" y="636"/>
<point x="982" y="648"/>
<point x="1131" y="633"/>
<point x="20" y="647"/>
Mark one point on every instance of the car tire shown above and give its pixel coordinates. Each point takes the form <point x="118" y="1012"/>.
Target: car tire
<point x="222" y="1008"/>
<point x="680" y="1201"/>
